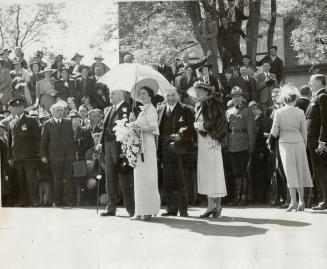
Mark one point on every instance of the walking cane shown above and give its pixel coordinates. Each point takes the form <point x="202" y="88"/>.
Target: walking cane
<point x="98" y="177"/>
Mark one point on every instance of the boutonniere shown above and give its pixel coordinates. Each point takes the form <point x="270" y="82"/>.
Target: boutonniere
<point x="124" y="109"/>
<point x="24" y="128"/>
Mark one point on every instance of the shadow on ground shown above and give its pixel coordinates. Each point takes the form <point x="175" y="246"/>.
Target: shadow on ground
<point x="210" y="229"/>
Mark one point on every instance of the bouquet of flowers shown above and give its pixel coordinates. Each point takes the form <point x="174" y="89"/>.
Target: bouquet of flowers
<point x="130" y="139"/>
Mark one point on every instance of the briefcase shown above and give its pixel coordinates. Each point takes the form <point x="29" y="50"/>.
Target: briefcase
<point x="79" y="169"/>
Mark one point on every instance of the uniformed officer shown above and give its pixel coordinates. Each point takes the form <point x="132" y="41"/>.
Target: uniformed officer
<point x="24" y="144"/>
<point x="241" y="140"/>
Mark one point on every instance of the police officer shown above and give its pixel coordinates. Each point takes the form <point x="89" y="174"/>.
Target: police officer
<point x="24" y="143"/>
<point x="241" y="140"/>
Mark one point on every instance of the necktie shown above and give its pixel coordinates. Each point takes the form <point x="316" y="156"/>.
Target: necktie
<point x="168" y="111"/>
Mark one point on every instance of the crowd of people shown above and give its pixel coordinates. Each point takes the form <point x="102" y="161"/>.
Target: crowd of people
<point x="237" y="135"/>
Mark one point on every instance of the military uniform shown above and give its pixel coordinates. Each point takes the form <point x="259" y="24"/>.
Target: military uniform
<point x="241" y="139"/>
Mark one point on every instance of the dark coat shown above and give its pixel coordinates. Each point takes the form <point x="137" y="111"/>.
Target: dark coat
<point x="212" y="81"/>
<point x="57" y="142"/>
<point x="83" y="141"/>
<point x="108" y="133"/>
<point x="182" y="119"/>
<point x="193" y="65"/>
<point x="87" y="91"/>
<point x="242" y="83"/>
<point x="239" y="15"/>
<point x="23" y="139"/>
<point x="63" y="91"/>
<point x="215" y="123"/>
<point x="167" y="72"/>
<point x="316" y="117"/>
<point x="98" y="101"/>
<point x="303" y="103"/>
<point x="277" y="66"/>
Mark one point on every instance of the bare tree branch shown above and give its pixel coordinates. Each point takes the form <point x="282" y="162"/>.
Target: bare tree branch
<point x="17" y="24"/>
<point x="33" y="37"/>
<point x="29" y="27"/>
<point x="180" y="51"/>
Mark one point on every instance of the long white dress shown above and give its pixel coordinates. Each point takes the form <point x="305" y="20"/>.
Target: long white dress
<point x="211" y="176"/>
<point x="147" y="198"/>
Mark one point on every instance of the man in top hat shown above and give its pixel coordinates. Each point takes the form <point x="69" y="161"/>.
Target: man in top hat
<point x="23" y="141"/>
<point x="165" y="69"/>
<point x="65" y="86"/>
<point x="99" y="61"/>
<point x="241" y="140"/>
<point x="58" y="149"/>
<point x="174" y="149"/>
<point x="7" y="62"/>
<point x="112" y="150"/>
<point x="85" y="84"/>
<point x="276" y="63"/>
<point x="207" y="77"/>
<point x="247" y="84"/>
<point x="74" y="69"/>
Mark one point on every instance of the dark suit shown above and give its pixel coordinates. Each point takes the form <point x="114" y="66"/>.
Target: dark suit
<point x="277" y="66"/>
<point x="316" y="117"/>
<point x="248" y="86"/>
<point x="184" y="85"/>
<point x="84" y="87"/>
<point x="23" y="141"/>
<point x="303" y="103"/>
<point x="175" y="164"/>
<point x="166" y="71"/>
<point x="212" y="81"/>
<point x="65" y="90"/>
<point x="58" y="146"/>
<point x="112" y="150"/>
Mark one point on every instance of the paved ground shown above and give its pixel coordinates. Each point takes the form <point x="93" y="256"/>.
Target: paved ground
<point x="240" y="239"/>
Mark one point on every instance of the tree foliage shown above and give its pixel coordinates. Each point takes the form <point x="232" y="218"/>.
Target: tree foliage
<point x="309" y="38"/>
<point x="22" y="25"/>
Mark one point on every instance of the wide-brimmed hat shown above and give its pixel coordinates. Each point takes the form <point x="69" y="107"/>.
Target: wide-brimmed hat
<point x="74" y="114"/>
<point x="59" y="56"/>
<point x="48" y="69"/>
<point x="236" y="91"/>
<point x="64" y="68"/>
<point x="149" y="83"/>
<point x="98" y="56"/>
<point x="33" y="62"/>
<point x="199" y="85"/>
<point x="205" y="65"/>
<point x="77" y="55"/>
<point x="83" y="67"/>
<point x="252" y="103"/>
<point x="5" y="50"/>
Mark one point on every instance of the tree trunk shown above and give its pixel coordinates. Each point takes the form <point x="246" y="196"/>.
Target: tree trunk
<point x="272" y="24"/>
<point x="194" y="12"/>
<point x="252" y="29"/>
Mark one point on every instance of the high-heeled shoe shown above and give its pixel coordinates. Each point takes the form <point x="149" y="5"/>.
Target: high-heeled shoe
<point x="291" y="207"/>
<point x="301" y="207"/>
<point x="217" y="213"/>
<point x="208" y="213"/>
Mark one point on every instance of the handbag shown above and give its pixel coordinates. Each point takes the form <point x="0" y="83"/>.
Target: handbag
<point x="79" y="169"/>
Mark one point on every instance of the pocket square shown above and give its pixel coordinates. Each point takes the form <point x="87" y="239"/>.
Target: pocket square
<point x="181" y="119"/>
